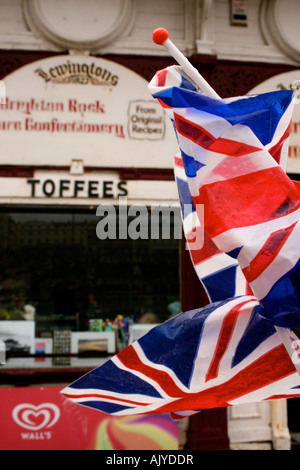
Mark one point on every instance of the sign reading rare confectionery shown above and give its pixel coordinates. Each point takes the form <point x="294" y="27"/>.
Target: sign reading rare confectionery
<point x="82" y="108"/>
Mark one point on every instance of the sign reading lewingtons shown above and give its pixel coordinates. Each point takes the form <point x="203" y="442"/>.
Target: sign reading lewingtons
<point x="80" y="73"/>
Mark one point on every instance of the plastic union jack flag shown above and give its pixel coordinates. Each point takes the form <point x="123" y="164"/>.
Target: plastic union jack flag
<point x="233" y="188"/>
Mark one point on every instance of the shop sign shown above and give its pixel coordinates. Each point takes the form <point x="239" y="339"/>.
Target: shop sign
<point x="66" y="108"/>
<point x="62" y="185"/>
<point x="285" y="81"/>
<point x="89" y="188"/>
<point x="74" y="188"/>
<point x="40" y="418"/>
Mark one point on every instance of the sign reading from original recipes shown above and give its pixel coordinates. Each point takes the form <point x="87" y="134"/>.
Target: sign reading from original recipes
<point x="67" y="108"/>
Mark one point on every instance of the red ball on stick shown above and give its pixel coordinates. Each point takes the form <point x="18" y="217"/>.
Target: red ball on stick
<point x="160" y="35"/>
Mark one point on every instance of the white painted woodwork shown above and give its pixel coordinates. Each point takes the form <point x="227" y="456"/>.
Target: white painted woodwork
<point x="125" y="27"/>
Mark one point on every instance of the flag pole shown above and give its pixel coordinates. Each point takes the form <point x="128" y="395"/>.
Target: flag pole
<point x="160" y="37"/>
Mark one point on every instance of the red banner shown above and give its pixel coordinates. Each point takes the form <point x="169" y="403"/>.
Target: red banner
<point x="41" y="418"/>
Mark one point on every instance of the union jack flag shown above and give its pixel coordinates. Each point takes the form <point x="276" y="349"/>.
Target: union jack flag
<point x="233" y="152"/>
<point x="219" y="273"/>
<point x="221" y="355"/>
<point x="232" y="155"/>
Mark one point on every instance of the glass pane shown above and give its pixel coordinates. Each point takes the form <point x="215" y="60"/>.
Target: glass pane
<point x="55" y="262"/>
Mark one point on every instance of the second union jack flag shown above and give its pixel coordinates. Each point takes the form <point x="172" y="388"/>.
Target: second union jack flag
<point x="221" y="355"/>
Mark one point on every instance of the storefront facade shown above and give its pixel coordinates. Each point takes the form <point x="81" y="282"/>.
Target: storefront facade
<point x="72" y="134"/>
<point x="87" y="160"/>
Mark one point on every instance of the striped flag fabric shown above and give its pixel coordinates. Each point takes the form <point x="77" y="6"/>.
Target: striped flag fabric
<point x="233" y="152"/>
<point x="220" y="355"/>
<point x="219" y="273"/>
<point x="240" y="217"/>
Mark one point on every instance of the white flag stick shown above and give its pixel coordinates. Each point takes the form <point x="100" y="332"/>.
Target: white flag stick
<point x="161" y="37"/>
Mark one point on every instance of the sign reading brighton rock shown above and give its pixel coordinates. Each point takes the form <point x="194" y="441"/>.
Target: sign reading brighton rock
<point x="67" y="108"/>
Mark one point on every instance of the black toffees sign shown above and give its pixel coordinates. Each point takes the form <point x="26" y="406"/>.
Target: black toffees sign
<point x="76" y="188"/>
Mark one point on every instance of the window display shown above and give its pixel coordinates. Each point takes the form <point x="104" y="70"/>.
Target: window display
<point x="56" y="271"/>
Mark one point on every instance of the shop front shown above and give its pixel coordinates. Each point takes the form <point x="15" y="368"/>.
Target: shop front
<point x="90" y="236"/>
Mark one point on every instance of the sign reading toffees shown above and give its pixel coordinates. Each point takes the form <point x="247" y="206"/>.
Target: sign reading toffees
<point x="60" y="186"/>
<point x="68" y="108"/>
<point x="67" y="187"/>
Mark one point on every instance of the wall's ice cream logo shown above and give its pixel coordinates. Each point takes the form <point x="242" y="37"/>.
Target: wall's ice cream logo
<point x="35" y="418"/>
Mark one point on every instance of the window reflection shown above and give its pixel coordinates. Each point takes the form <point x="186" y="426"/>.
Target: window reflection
<point x="54" y="262"/>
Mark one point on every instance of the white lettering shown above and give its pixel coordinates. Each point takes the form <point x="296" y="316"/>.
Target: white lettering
<point x="37" y="436"/>
<point x="171" y="459"/>
<point x="117" y="460"/>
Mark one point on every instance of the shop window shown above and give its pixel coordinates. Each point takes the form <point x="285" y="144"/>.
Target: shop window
<point x="54" y="261"/>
